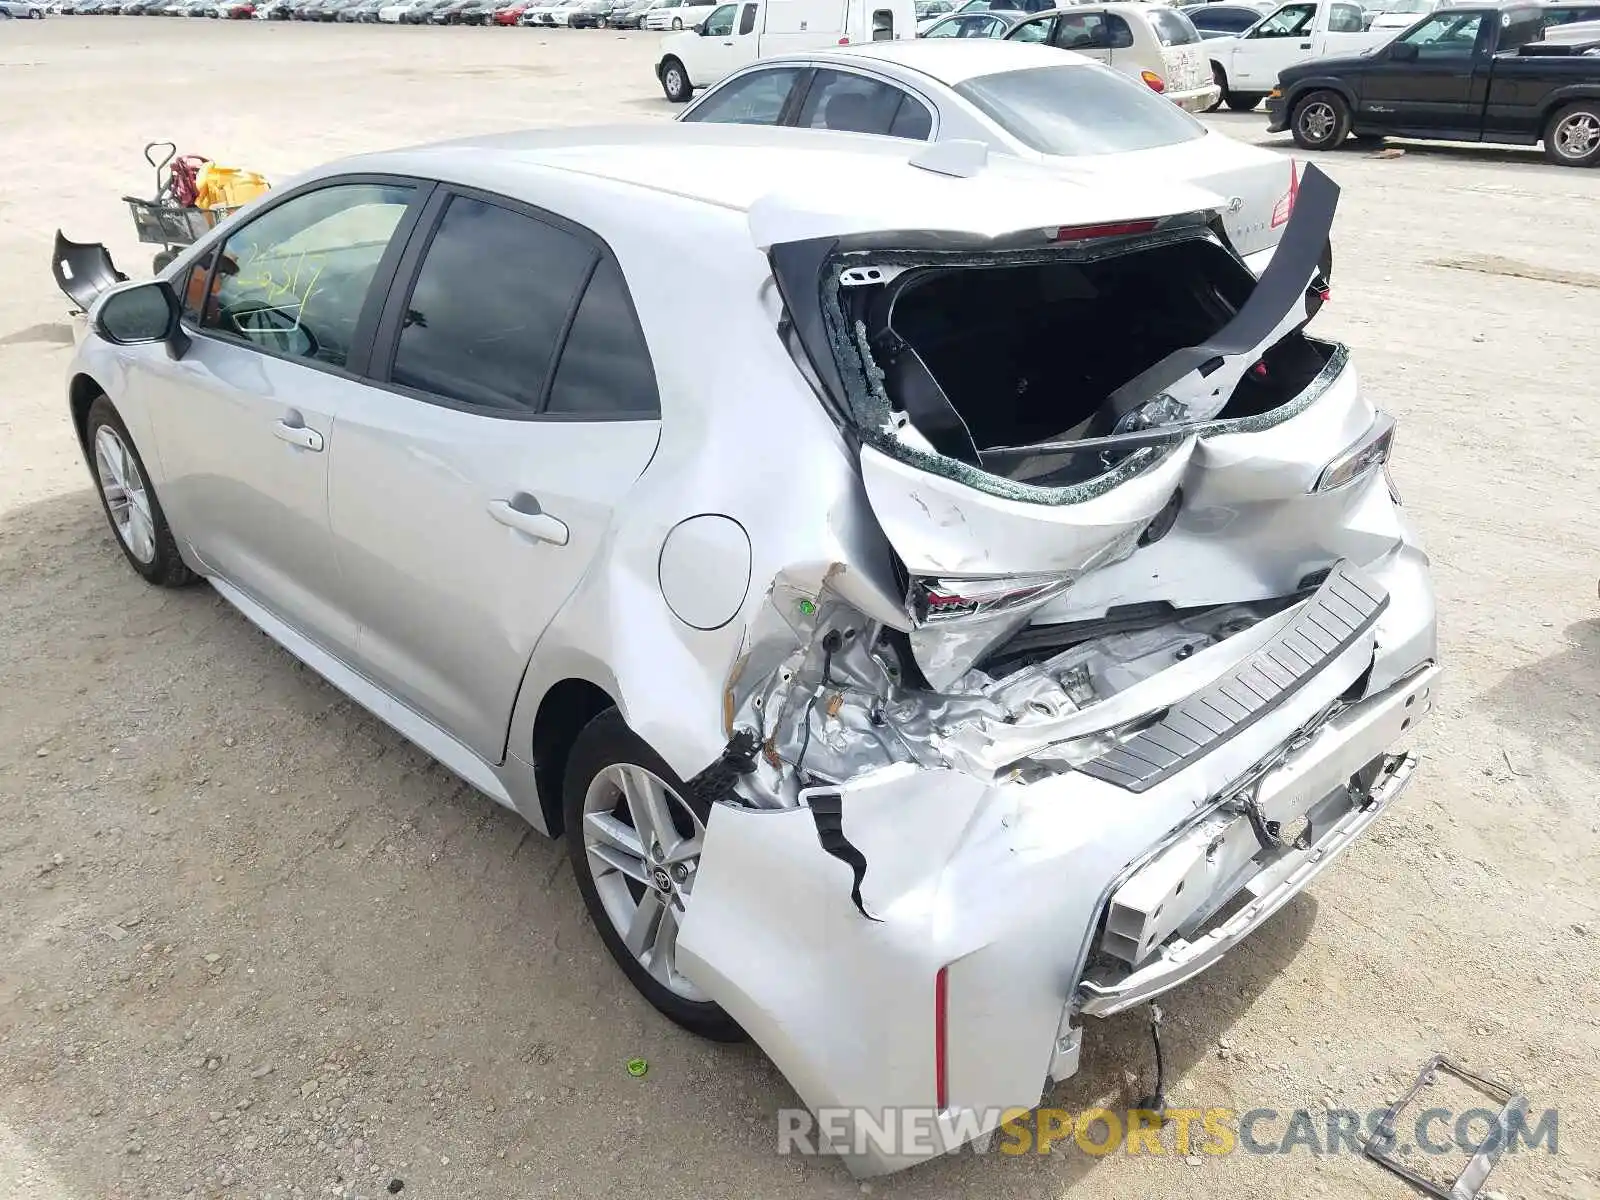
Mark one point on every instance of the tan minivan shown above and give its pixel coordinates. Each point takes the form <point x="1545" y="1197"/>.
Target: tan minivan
<point x="1151" y="42"/>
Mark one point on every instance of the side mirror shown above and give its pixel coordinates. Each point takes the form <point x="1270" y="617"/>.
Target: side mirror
<point x="146" y="313"/>
<point x="1403" y="52"/>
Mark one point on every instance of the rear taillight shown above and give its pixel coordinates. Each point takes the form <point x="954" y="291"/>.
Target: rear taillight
<point x="1079" y="233"/>
<point x="936" y="600"/>
<point x="1153" y="81"/>
<point x="844" y="41"/>
<point x="941" y="1005"/>
<point x="1369" y="452"/>
<point x="1284" y="208"/>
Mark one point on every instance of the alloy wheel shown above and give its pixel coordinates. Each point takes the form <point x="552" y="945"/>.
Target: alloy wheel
<point x="642" y="845"/>
<point x="1578" y="135"/>
<point x="127" y="498"/>
<point x="1317" y="121"/>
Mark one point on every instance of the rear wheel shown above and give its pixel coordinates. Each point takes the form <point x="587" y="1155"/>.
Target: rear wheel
<point x="1321" y="121"/>
<point x="675" y="82"/>
<point x="129" y="501"/>
<point x="1572" y="138"/>
<point x="634" y="843"/>
<point x="1244" y="101"/>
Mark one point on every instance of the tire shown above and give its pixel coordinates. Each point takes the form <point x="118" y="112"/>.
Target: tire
<point x="1220" y="78"/>
<point x="145" y="538"/>
<point x="1243" y="101"/>
<point x="605" y="756"/>
<point x="1572" y="138"/>
<point x="1321" y="121"/>
<point x="675" y="81"/>
<point x="677" y="23"/>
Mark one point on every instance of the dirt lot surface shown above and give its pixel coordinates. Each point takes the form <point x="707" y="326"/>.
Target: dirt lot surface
<point x="255" y="945"/>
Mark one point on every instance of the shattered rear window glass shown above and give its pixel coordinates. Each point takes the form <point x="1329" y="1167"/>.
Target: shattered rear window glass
<point x="1079" y="110"/>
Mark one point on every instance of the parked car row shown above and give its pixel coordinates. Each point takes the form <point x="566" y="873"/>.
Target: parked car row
<point x="574" y="14"/>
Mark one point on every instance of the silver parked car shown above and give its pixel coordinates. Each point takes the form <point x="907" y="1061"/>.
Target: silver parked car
<point x="1015" y="550"/>
<point x="1031" y="101"/>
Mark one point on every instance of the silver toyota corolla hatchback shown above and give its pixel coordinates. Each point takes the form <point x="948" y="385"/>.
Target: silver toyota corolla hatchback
<point x="941" y="599"/>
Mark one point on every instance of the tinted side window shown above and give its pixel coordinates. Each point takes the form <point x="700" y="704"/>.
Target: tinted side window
<point x="1081" y="31"/>
<point x="605" y="365"/>
<point x="1119" y="35"/>
<point x="294" y="280"/>
<point x="747" y="19"/>
<point x="753" y="99"/>
<point x="494" y="293"/>
<point x="856" y="104"/>
<point x="720" y="22"/>
<point x="1346" y="18"/>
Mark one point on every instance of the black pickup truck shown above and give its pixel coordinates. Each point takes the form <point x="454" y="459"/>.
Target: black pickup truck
<point x="1466" y="74"/>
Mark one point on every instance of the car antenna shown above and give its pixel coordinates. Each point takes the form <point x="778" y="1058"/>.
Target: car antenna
<point x="961" y="158"/>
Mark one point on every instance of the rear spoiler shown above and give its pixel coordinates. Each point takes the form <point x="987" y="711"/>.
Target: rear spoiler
<point x="83" y="270"/>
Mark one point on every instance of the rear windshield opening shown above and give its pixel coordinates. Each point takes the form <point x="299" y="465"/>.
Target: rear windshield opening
<point x="980" y="358"/>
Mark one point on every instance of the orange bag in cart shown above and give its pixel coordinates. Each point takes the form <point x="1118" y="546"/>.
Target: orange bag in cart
<point x="226" y="187"/>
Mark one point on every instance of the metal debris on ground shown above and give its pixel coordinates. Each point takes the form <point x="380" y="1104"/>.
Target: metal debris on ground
<point x="1381" y="1146"/>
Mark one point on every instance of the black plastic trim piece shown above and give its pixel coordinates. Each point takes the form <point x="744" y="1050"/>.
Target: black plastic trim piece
<point x="1343" y="609"/>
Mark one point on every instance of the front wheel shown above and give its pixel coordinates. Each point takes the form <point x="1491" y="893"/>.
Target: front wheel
<point x="677" y="22"/>
<point x="634" y="842"/>
<point x="1572" y="139"/>
<point x="1321" y="121"/>
<point x="129" y="501"/>
<point x="1244" y="101"/>
<point x="675" y="82"/>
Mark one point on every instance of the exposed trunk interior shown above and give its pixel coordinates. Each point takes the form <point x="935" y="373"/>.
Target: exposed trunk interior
<point x="987" y="356"/>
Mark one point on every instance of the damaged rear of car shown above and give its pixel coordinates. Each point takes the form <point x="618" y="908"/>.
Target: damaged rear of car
<point x="1164" y="621"/>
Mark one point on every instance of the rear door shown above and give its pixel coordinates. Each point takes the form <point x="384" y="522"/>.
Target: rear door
<point x="1091" y="33"/>
<point x="471" y="488"/>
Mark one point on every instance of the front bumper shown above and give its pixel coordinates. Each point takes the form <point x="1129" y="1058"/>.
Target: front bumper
<point x="1008" y="888"/>
<point x="1277" y="112"/>
<point x="1199" y="100"/>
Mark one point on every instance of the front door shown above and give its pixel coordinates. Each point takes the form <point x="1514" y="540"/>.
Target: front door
<point x="1425" y="82"/>
<point x="727" y="42"/>
<point x="472" y="487"/>
<point x="1279" y="42"/>
<point x="245" y="421"/>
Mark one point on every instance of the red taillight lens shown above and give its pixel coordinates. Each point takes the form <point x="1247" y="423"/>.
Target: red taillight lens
<point x="1078" y="233"/>
<point x="941" y="1004"/>
<point x="1153" y="81"/>
<point x="1284" y="208"/>
<point x="844" y="41"/>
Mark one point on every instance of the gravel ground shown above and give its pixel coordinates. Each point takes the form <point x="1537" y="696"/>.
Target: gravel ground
<point x="255" y="945"/>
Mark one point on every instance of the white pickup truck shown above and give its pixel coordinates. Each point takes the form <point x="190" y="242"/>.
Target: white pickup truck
<point x="1246" y="67"/>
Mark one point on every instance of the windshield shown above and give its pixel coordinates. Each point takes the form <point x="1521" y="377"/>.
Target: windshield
<point x="1077" y="110"/>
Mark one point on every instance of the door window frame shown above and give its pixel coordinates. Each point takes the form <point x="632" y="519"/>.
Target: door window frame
<point x="357" y="362"/>
<point x="386" y="337"/>
<point x="802" y="92"/>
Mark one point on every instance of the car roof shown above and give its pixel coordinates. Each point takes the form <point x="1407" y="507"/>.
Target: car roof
<point x="950" y="60"/>
<point x="818" y="181"/>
